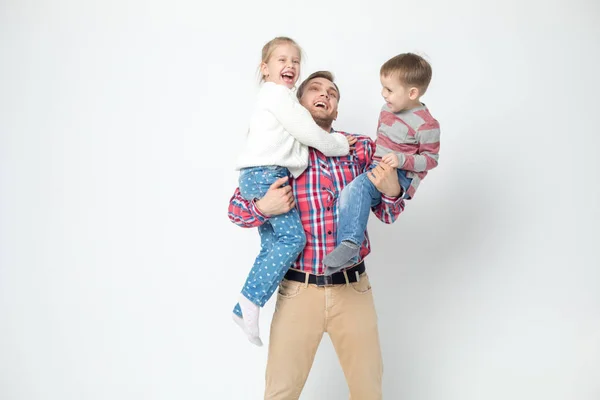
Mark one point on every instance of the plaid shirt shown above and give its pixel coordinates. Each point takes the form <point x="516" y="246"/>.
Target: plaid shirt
<point x="316" y="192"/>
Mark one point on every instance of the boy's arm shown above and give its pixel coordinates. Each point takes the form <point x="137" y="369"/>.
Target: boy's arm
<point x="390" y="207"/>
<point x="428" y="136"/>
<point x="298" y="122"/>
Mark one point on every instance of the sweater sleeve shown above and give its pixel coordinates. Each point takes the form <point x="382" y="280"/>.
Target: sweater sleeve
<point x="428" y="136"/>
<point x="299" y="123"/>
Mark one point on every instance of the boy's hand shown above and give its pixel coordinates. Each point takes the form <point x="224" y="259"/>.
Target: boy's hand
<point x="391" y="159"/>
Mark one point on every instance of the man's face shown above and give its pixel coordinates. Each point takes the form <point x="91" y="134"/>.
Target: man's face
<point x="320" y="98"/>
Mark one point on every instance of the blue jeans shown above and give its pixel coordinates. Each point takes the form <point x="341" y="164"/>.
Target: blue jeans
<point x="282" y="237"/>
<point x="356" y="201"/>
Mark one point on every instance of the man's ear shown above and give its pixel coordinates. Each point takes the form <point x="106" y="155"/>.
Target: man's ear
<point x="413" y="93"/>
<point x="335" y="115"/>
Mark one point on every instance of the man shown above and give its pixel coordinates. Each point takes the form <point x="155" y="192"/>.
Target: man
<point x="310" y="303"/>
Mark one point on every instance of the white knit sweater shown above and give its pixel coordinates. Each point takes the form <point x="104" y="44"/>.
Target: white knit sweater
<point x="281" y="130"/>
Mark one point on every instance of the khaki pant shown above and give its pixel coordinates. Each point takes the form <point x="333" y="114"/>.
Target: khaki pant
<point x="302" y="314"/>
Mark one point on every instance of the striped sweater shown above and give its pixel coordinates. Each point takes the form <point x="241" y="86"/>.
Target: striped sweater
<point x="414" y="135"/>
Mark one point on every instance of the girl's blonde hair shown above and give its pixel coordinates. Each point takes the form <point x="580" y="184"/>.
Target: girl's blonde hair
<point x="269" y="48"/>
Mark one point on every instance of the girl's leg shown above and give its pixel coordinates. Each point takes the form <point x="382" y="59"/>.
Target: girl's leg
<point x="282" y="239"/>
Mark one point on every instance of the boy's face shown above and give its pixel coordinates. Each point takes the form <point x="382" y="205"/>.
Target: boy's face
<point x="397" y="96"/>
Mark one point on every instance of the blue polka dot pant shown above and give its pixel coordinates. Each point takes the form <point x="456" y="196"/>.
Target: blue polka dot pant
<point x="282" y="238"/>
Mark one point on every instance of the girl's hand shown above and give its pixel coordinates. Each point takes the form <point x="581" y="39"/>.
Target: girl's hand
<point x="351" y="141"/>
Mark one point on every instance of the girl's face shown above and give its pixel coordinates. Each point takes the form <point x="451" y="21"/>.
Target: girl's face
<point x="283" y="67"/>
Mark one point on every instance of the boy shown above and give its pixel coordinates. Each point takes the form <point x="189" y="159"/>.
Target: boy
<point x="408" y="138"/>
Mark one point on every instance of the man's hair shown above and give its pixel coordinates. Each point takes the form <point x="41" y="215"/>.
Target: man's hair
<point x="410" y="69"/>
<point x="319" y="74"/>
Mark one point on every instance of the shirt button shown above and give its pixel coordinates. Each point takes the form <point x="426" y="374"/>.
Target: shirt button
<point x="329" y="232"/>
<point x="328" y="208"/>
<point x="323" y="188"/>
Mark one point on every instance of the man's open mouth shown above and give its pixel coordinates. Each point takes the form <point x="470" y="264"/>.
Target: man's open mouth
<point x="321" y="104"/>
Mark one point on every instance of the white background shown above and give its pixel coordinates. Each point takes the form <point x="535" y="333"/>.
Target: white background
<point x="120" y="122"/>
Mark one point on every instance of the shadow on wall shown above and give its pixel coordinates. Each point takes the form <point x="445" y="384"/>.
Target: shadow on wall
<point x="418" y="264"/>
<point x="426" y="250"/>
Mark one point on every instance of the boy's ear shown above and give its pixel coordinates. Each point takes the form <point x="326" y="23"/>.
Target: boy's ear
<point x="413" y="93"/>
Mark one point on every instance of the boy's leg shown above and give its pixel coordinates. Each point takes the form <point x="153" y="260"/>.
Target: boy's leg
<point x="405" y="182"/>
<point x="355" y="205"/>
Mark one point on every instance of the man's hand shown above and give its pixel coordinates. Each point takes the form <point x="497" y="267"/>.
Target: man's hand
<point x="391" y="159"/>
<point x="277" y="200"/>
<point x="385" y="180"/>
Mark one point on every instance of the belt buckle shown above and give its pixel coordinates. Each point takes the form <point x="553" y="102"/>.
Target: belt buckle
<point x="324" y="280"/>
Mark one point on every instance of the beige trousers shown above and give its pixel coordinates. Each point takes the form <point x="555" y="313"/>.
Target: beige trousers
<point x="302" y="314"/>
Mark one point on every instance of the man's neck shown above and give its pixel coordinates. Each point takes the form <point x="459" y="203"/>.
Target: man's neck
<point x="325" y="125"/>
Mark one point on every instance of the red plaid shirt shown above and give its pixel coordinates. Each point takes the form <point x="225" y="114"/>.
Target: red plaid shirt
<point x="316" y="192"/>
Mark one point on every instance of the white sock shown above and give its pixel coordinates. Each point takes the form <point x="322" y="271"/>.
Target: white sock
<point x="253" y="339"/>
<point x="250" y="314"/>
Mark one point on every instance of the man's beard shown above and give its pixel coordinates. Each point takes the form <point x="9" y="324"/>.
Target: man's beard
<point x="323" y="122"/>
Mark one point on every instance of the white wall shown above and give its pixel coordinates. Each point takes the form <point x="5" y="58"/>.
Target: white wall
<point x="119" y="126"/>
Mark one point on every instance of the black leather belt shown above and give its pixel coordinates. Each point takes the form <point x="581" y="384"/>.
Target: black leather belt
<point x="327" y="280"/>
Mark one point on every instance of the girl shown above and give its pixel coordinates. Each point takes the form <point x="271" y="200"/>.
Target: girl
<point x="280" y="132"/>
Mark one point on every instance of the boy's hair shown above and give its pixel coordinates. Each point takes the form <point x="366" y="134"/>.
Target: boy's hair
<point x="269" y="48"/>
<point x="319" y="74"/>
<point x="410" y="69"/>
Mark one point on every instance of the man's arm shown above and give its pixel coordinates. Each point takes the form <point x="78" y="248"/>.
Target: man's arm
<point x="385" y="180"/>
<point x="250" y="214"/>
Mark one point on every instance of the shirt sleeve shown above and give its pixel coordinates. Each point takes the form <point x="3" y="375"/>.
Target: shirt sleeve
<point x="298" y="122"/>
<point x="244" y="213"/>
<point x="390" y="208"/>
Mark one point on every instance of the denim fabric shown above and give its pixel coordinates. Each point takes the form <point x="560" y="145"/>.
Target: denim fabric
<point x="282" y="237"/>
<point x="355" y="203"/>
